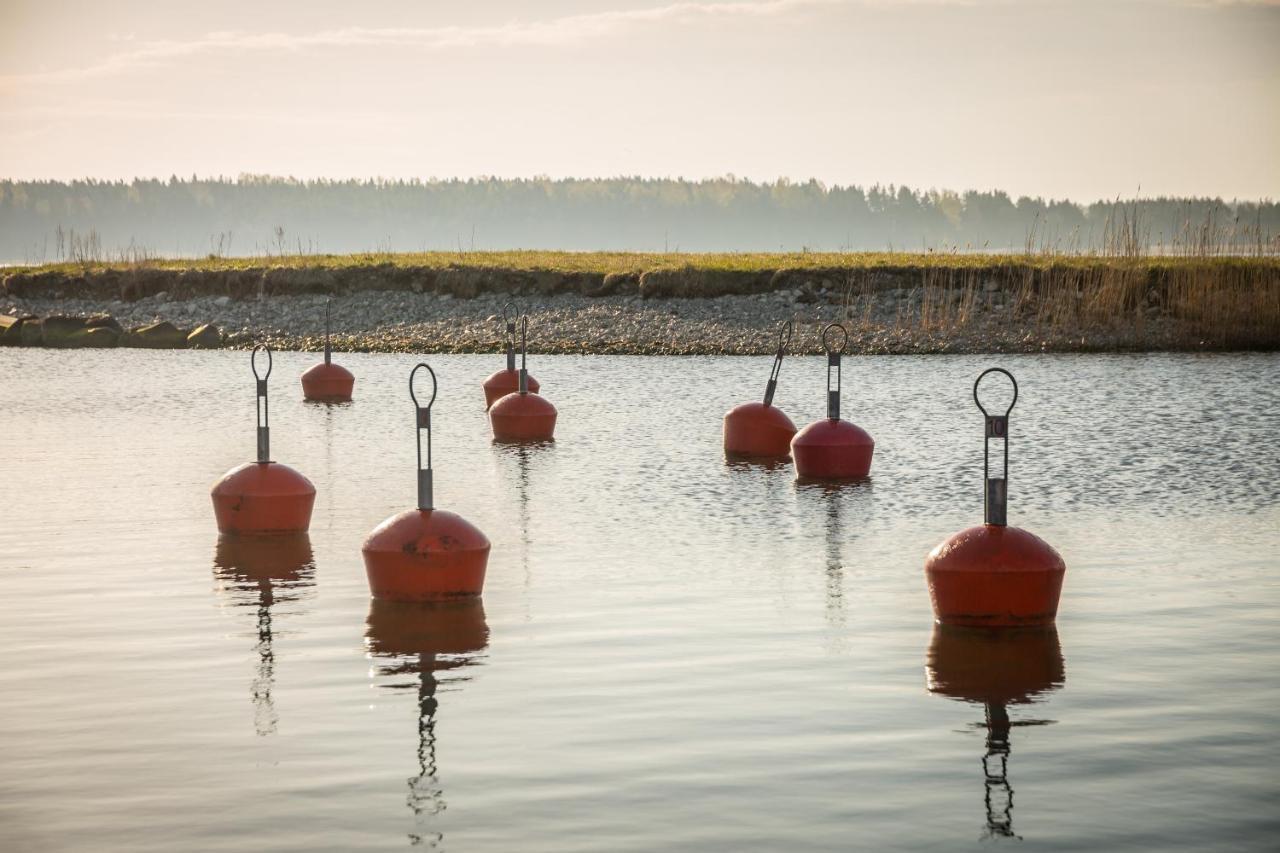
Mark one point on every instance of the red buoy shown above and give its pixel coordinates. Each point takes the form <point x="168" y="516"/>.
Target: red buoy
<point x="993" y="574"/>
<point x="507" y="381"/>
<point x="833" y="449"/>
<point x="425" y="554"/>
<point x="759" y="430"/>
<point x="522" y="416"/>
<point x="327" y="382"/>
<point x="263" y="497"/>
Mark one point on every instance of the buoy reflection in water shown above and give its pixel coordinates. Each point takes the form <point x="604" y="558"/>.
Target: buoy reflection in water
<point x="996" y="668"/>
<point x="263" y="572"/>
<point x="422" y="639"/>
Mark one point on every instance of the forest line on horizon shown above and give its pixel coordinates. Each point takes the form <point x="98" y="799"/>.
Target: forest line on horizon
<point x="49" y="221"/>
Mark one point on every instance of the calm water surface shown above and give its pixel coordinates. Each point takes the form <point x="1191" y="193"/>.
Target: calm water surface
<point x="672" y="653"/>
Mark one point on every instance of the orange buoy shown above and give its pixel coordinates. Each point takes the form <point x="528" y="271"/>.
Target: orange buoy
<point x="759" y="430"/>
<point x="327" y="382"/>
<point x="425" y="554"/>
<point x="996" y="668"/>
<point x="833" y="449"/>
<point x="994" y="574"/>
<point x="507" y="381"/>
<point x="263" y="497"/>
<point x="521" y="416"/>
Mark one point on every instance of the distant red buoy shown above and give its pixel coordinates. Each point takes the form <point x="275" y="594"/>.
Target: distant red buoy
<point x="327" y="382"/>
<point x="425" y="554"/>
<point x="833" y="449"/>
<point x="522" y="416"/>
<point x="993" y="574"/>
<point x="263" y="497"/>
<point x="759" y="430"/>
<point x="507" y="381"/>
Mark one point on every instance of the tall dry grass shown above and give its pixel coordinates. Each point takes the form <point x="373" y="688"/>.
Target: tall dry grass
<point x="1215" y="285"/>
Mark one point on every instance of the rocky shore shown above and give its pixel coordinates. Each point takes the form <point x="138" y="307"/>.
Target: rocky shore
<point x="694" y="312"/>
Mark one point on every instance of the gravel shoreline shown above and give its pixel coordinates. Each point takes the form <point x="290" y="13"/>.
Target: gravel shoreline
<point x="889" y="321"/>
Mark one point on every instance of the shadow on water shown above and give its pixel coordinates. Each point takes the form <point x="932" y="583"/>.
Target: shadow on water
<point x="996" y="668"/>
<point x="262" y="573"/>
<point x="422" y="639"/>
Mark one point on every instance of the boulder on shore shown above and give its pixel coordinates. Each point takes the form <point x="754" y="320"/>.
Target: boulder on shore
<point x="58" y="331"/>
<point x="162" y="335"/>
<point x="207" y="336"/>
<point x="10" y="330"/>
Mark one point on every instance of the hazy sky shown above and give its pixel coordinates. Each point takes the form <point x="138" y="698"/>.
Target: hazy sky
<point x="1079" y="99"/>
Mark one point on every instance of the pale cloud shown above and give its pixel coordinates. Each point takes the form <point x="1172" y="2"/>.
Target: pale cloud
<point x="561" y="31"/>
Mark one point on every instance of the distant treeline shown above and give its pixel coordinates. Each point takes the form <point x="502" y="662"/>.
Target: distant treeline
<point x="46" y="221"/>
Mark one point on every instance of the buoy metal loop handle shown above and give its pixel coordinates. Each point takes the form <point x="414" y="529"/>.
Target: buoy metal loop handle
<point x="511" y="314"/>
<point x="833" y="368"/>
<point x="261" y="404"/>
<point x="422" y="414"/>
<point x="328" y="350"/>
<point x="524" y="348"/>
<point x="995" y="490"/>
<point x="784" y="338"/>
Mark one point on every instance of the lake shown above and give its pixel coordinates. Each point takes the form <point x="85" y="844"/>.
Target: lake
<point x="672" y="652"/>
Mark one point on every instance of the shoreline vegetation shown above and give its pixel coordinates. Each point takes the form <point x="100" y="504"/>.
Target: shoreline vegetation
<point x="656" y="303"/>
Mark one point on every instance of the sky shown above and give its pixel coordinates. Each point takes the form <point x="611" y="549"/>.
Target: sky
<point x="1082" y="100"/>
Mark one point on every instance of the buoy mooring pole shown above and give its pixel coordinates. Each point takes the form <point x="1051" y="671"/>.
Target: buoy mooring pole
<point x="263" y="496"/>
<point x="833" y="449"/>
<point x="994" y="574"/>
<point x="506" y="381"/>
<point x="522" y="416"/>
<point x="760" y="430"/>
<point x="327" y="382"/>
<point x="425" y="554"/>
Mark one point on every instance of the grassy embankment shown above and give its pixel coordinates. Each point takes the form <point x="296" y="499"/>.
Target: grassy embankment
<point x="1198" y="299"/>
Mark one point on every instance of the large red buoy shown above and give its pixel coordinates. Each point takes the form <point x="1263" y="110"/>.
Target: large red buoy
<point x="522" y="416"/>
<point x="833" y="449"/>
<point x="994" y="574"/>
<point x="996" y="668"/>
<point x="327" y="382"/>
<point x="507" y="381"/>
<point x="426" y="553"/>
<point x="263" y="497"/>
<point x="759" y="430"/>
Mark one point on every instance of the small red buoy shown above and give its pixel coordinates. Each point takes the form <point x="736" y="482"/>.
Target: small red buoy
<point x="759" y="430"/>
<point x="327" y="382"/>
<point x="994" y="574"/>
<point x="522" y="416"/>
<point x="507" y="381"/>
<point x="833" y="449"/>
<point x="263" y="497"/>
<point x="425" y="554"/>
